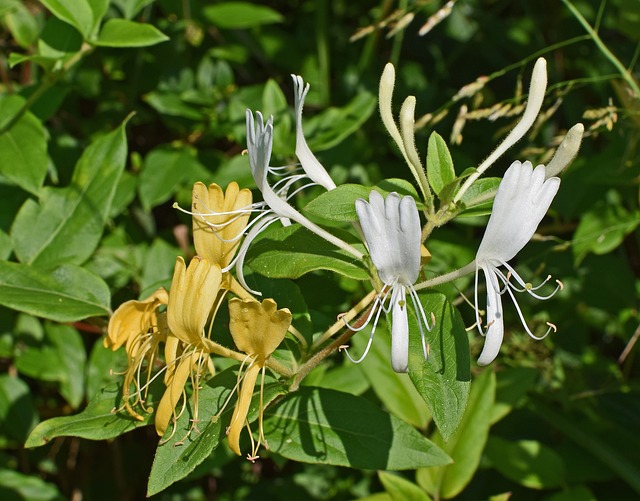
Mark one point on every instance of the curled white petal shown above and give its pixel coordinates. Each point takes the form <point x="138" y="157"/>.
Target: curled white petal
<point x="312" y="167"/>
<point x="391" y="229"/>
<point x="522" y="200"/>
<point x="400" y="332"/>
<point x="495" y="325"/>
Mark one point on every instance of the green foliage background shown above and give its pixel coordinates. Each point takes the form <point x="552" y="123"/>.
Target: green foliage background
<point x="109" y="112"/>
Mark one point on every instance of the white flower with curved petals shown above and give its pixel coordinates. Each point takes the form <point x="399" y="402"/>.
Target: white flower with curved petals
<point x="310" y="164"/>
<point x="259" y="146"/>
<point x="392" y="232"/>
<point x="522" y="200"/>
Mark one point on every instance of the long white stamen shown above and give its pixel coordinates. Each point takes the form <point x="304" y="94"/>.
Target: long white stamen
<point x="524" y="322"/>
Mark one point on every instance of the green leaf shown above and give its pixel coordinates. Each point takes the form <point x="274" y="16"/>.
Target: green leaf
<point x="69" y="347"/>
<point x="158" y="265"/>
<point x="65" y="294"/>
<point x="186" y="447"/>
<point x="317" y="425"/>
<point x="512" y="386"/>
<point x="292" y="251"/>
<point x="17" y="412"/>
<point x="466" y="445"/>
<point x="401" y="489"/>
<point x="15" y="486"/>
<point x="130" y="8"/>
<point x="240" y="15"/>
<point x="23" y="148"/>
<point x="100" y="368"/>
<point x="274" y="102"/>
<point x="526" y="462"/>
<point x="23" y="25"/>
<point x="440" y="171"/>
<point x="395" y="391"/>
<point x="334" y="125"/>
<point x="125" y="33"/>
<point x="602" y="229"/>
<point x="170" y="103"/>
<point x="574" y="493"/>
<point x="163" y="172"/>
<point x="58" y="39"/>
<point x="478" y="199"/>
<point x="99" y="421"/>
<point x="444" y="379"/>
<point x="339" y="204"/>
<point x="65" y="226"/>
<point x="77" y="13"/>
<point x="60" y="357"/>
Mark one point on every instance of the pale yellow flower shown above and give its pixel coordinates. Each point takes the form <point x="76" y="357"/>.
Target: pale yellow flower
<point x="193" y="294"/>
<point x="194" y="290"/>
<point x="257" y="329"/>
<point x="134" y="318"/>
<point x="141" y="328"/>
<point x="219" y="220"/>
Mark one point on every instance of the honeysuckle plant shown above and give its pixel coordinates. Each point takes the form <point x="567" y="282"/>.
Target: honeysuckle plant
<point x="198" y="364"/>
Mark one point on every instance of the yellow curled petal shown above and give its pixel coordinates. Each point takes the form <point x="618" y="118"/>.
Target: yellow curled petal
<point x="193" y="293"/>
<point x="257" y="328"/>
<point x="219" y="220"/>
<point x="133" y="318"/>
<point x="242" y="407"/>
<point x="173" y="393"/>
<point x="171" y="348"/>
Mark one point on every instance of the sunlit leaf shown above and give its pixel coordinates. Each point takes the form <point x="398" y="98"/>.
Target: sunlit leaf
<point x="316" y="425"/>
<point x="444" y="379"/>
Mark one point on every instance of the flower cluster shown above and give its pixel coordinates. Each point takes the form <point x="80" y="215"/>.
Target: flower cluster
<point x="175" y="329"/>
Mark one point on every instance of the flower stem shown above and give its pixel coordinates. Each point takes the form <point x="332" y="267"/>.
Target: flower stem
<point x="310" y="364"/>
<point x="447" y="277"/>
<point x="347" y="317"/>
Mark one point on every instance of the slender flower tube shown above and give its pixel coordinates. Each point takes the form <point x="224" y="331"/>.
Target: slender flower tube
<point x="537" y="90"/>
<point x="522" y="200"/>
<point x="391" y="229"/>
<point x="257" y="329"/>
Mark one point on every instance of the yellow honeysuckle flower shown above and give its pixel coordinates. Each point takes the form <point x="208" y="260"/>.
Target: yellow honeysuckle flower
<point x="219" y="220"/>
<point x="141" y="328"/>
<point x="194" y="290"/>
<point x="133" y="318"/>
<point x="257" y="329"/>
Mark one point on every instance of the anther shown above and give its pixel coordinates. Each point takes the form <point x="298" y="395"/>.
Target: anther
<point x="553" y="326"/>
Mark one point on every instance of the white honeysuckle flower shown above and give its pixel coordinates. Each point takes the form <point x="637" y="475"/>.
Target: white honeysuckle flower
<point x="392" y="232"/>
<point x="312" y="167"/>
<point x="289" y="181"/>
<point x="522" y="200"/>
<point x="259" y="146"/>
